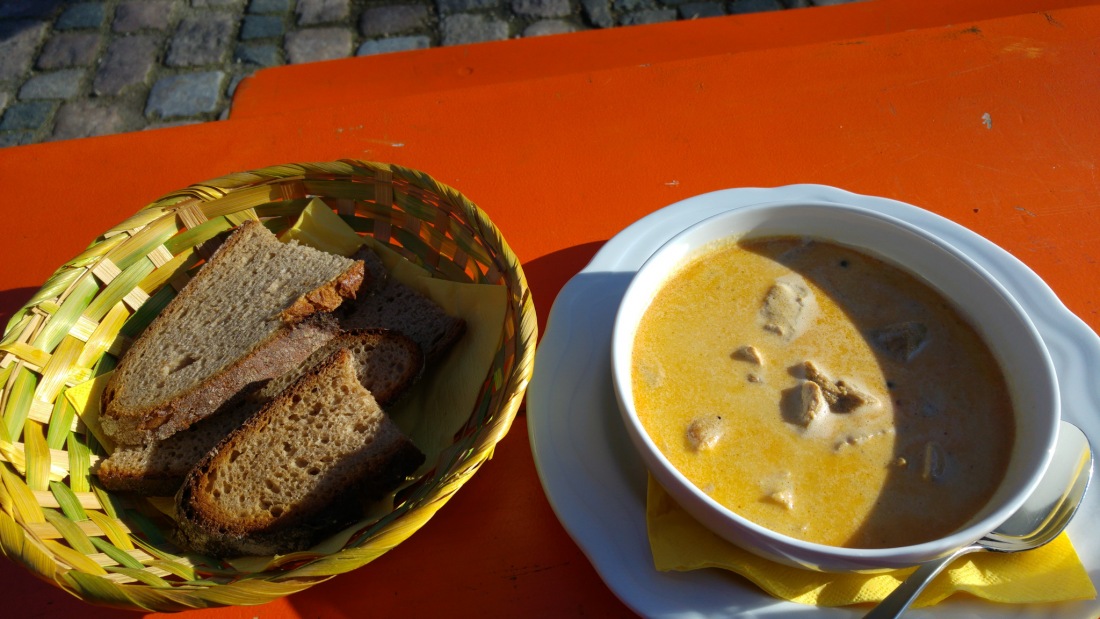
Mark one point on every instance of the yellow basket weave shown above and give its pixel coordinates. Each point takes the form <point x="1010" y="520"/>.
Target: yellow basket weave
<point x="114" y="550"/>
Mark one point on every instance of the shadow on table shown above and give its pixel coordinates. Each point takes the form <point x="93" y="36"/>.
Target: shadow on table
<point x="547" y="275"/>
<point x="12" y="300"/>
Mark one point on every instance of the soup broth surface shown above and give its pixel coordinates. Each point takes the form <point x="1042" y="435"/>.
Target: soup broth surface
<point x="822" y="393"/>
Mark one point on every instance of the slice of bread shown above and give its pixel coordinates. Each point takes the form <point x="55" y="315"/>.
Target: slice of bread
<point x="386" y="303"/>
<point x="388" y="363"/>
<point x="231" y="326"/>
<point x="158" y="468"/>
<point x="296" y="471"/>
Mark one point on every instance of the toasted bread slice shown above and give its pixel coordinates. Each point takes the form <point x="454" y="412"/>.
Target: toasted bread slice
<point x="388" y="363"/>
<point x="236" y="323"/>
<point x="296" y="471"/>
<point x="386" y="303"/>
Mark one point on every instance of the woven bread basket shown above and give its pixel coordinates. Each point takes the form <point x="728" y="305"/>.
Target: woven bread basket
<point x="116" y="550"/>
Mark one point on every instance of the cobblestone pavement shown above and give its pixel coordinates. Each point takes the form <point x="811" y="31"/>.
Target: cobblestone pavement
<point x="72" y="69"/>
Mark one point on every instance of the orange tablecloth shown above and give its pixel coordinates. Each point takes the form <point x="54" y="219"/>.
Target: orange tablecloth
<point x="992" y="124"/>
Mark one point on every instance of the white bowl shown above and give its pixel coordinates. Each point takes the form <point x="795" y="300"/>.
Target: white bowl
<point x="999" y="319"/>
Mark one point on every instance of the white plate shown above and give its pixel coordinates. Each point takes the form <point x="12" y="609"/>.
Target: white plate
<point x="596" y="483"/>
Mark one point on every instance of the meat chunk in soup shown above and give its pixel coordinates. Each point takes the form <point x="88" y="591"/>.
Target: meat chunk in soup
<point x="704" y="432"/>
<point x="812" y="403"/>
<point x="788" y="307"/>
<point x="779" y="489"/>
<point x="900" y="341"/>
<point x="752" y="356"/>
<point x="935" y="461"/>
<point x="749" y="354"/>
<point x="841" y="396"/>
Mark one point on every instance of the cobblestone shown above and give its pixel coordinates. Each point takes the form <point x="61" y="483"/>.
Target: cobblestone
<point x="18" y="41"/>
<point x="142" y="15"/>
<point x="393" y="44"/>
<point x="599" y="13"/>
<point x="627" y="6"/>
<point x="128" y="62"/>
<point x="77" y="68"/>
<point x="317" y="44"/>
<point x="258" y="54"/>
<point x="467" y="28"/>
<point x="755" y="6"/>
<point x="447" y="7"/>
<point x="82" y="119"/>
<point x="542" y="8"/>
<point x="21" y="9"/>
<point x="201" y="40"/>
<point x="27" y="115"/>
<point x="17" y="138"/>
<point x="262" y="27"/>
<point x="233" y="83"/>
<point x="173" y="123"/>
<point x="83" y="15"/>
<point x="549" y="26"/>
<point x="388" y="20"/>
<point x="64" y="84"/>
<point x="313" y="12"/>
<point x="217" y="3"/>
<point x="187" y="94"/>
<point x="69" y="49"/>
<point x="267" y="7"/>
<point x="649" y="16"/>
<point x="696" y="10"/>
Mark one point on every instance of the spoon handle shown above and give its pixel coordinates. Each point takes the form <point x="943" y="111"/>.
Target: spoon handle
<point x="900" y="599"/>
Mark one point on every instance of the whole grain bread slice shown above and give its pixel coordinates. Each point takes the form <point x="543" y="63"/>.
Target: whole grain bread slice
<point x="384" y="302"/>
<point x="159" y="468"/>
<point x="302" y="467"/>
<point x="388" y="364"/>
<point x="234" y="324"/>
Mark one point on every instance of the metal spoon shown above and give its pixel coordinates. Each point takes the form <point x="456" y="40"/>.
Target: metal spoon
<point x="1041" y="518"/>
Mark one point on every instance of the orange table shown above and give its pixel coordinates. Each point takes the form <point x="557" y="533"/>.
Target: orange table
<point x="365" y="79"/>
<point x="991" y="123"/>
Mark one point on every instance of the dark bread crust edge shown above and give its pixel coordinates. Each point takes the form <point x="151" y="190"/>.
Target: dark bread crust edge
<point x="284" y="350"/>
<point x="203" y="532"/>
<point x="329" y="296"/>
<point x="133" y="427"/>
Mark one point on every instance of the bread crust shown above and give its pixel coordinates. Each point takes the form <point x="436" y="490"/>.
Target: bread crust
<point x="327" y="297"/>
<point x="201" y="529"/>
<point x="282" y="350"/>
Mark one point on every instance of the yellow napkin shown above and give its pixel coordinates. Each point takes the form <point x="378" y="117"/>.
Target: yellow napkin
<point x="1052" y="573"/>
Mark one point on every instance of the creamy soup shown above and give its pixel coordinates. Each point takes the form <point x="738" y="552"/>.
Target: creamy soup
<point x="822" y="393"/>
